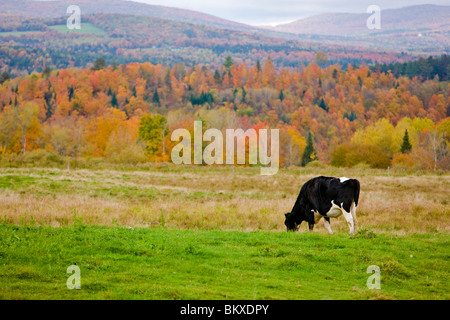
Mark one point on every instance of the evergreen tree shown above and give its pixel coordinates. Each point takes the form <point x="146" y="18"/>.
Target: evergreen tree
<point x="228" y="63"/>
<point x="323" y="105"/>
<point x="156" y="97"/>
<point x="258" y="66"/>
<point x="46" y="72"/>
<point x="335" y="74"/>
<point x="309" y="154"/>
<point x="406" y="145"/>
<point x="350" y="116"/>
<point x="281" y="95"/>
<point x="71" y="93"/>
<point x="202" y="99"/>
<point x="114" y="100"/>
<point x="217" y="77"/>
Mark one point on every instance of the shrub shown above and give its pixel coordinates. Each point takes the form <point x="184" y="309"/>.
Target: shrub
<point x="315" y="164"/>
<point x="40" y="157"/>
<point x="403" y="160"/>
<point x="130" y="155"/>
<point x="365" y="233"/>
<point x="351" y="154"/>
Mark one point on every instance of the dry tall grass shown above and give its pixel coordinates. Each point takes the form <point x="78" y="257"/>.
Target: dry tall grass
<point x="213" y="198"/>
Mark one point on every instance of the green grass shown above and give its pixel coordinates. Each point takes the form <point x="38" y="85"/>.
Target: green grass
<point x="18" y="33"/>
<point x="87" y="28"/>
<point x="187" y="240"/>
<point x="142" y="263"/>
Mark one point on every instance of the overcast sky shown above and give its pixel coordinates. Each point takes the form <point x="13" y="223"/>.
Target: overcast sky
<point x="264" y="12"/>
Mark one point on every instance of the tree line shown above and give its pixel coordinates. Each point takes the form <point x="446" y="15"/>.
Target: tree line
<point x="425" y="68"/>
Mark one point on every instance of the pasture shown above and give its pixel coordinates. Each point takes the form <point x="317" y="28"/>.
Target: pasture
<point x="19" y="33"/>
<point x="86" y="28"/>
<point x="175" y="232"/>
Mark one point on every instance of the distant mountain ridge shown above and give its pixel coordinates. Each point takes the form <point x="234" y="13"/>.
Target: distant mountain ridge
<point x="413" y="18"/>
<point x="422" y="30"/>
<point x="57" y="8"/>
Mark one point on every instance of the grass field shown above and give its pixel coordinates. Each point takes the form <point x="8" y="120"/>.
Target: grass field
<point x="165" y="232"/>
<point x="121" y="263"/>
<point x="19" y="33"/>
<point x="85" y="28"/>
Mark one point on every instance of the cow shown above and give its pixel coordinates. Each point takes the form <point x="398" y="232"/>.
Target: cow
<point x="326" y="197"/>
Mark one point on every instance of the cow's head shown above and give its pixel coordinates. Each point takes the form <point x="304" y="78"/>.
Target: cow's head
<point x="292" y="222"/>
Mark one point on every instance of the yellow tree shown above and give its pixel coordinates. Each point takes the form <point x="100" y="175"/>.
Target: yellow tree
<point x="379" y="134"/>
<point x="100" y="129"/>
<point x="268" y="74"/>
<point x="153" y="130"/>
<point x="292" y="146"/>
<point x="29" y="128"/>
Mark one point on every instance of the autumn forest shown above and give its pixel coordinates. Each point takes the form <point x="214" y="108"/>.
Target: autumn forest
<point x="356" y="116"/>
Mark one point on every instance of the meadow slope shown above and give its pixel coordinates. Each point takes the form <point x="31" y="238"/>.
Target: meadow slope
<point x="164" y="232"/>
<point x="122" y="263"/>
<point x="205" y="198"/>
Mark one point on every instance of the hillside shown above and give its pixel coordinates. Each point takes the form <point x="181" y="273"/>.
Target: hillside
<point x="413" y="28"/>
<point x="31" y="44"/>
<point x="400" y="27"/>
<point x="421" y="18"/>
<point x="53" y="9"/>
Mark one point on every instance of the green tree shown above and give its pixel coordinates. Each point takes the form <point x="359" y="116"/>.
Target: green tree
<point x="217" y="77"/>
<point x="335" y="74"/>
<point x="321" y="58"/>
<point x="309" y="154"/>
<point x="406" y="145"/>
<point x="114" y="100"/>
<point x="258" y="66"/>
<point x="153" y="130"/>
<point x="323" y="105"/>
<point x="46" y="72"/>
<point x="228" y="63"/>
<point x="99" y="64"/>
<point x="4" y="77"/>
<point x="156" y="97"/>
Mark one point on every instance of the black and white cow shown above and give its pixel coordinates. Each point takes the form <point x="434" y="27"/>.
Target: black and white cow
<point x="325" y="197"/>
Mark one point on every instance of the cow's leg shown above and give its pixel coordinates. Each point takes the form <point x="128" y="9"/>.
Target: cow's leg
<point x="326" y="222"/>
<point x="348" y="216"/>
<point x="311" y="226"/>
<point x="353" y="212"/>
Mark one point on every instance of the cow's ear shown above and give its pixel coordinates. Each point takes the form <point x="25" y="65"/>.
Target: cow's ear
<point x="286" y="214"/>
